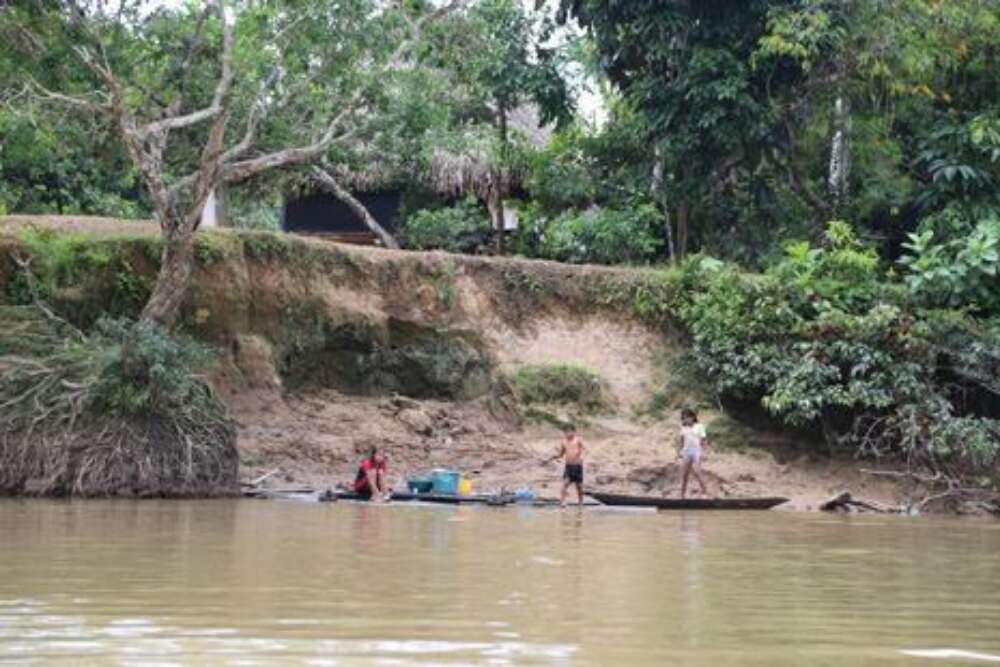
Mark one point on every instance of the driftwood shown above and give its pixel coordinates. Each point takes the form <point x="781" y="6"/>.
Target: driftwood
<point x="257" y="481"/>
<point x="844" y="502"/>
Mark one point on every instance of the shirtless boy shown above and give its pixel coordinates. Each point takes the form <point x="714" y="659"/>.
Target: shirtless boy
<point x="571" y="450"/>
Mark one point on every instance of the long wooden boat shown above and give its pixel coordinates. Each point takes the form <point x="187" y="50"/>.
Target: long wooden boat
<point x="440" y="498"/>
<point x="477" y="499"/>
<point x="688" y="503"/>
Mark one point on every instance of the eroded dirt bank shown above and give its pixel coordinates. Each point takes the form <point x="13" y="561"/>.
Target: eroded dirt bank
<point x="326" y="350"/>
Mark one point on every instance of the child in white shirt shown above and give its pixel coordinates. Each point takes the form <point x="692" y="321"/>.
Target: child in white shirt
<point x="691" y="445"/>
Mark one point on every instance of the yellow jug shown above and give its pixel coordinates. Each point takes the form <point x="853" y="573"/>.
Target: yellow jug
<point x="465" y="487"/>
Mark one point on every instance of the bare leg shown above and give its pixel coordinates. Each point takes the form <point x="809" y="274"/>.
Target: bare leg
<point x="684" y="479"/>
<point x="562" y="494"/>
<point x="697" y="474"/>
<point x="579" y="493"/>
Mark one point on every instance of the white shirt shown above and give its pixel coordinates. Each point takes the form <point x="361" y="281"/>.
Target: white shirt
<point x="692" y="436"/>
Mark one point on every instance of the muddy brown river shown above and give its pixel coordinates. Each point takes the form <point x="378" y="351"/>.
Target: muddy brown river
<point x="278" y="583"/>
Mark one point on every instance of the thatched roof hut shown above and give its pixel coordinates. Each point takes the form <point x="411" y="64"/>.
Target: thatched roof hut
<point x="461" y="164"/>
<point x="471" y="166"/>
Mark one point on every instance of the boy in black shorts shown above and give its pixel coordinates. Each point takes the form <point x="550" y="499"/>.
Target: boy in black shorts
<point x="571" y="449"/>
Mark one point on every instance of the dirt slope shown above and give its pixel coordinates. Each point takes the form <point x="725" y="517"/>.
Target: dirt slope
<point x="327" y="350"/>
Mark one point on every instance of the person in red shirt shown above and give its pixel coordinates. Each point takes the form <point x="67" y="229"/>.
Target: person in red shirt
<point x="370" y="480"/>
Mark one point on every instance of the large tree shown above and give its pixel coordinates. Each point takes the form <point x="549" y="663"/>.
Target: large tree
<point x="771" y="118"/>
<point x="501" y="56"/>
<point x="204" y="97"/>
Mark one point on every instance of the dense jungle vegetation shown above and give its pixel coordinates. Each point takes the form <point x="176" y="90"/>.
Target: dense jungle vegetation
<point x="816" y="183"/>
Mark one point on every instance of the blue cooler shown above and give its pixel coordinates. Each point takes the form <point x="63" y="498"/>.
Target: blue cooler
<point x="445" y="481"/>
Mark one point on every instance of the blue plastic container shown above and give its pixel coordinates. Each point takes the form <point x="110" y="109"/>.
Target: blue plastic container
<point x="420" y="484"/>
<point x="445" y="481"/>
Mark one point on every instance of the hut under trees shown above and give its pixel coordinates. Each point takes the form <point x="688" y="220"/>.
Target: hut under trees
<point x="366" y="205"/>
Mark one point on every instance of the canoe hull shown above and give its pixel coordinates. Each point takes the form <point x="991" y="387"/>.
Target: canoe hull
<point x="439" y="498"/>
<point x="615" y="499"/>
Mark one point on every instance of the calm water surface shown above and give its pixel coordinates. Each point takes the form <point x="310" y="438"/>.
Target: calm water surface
<point x="268" y="583"/>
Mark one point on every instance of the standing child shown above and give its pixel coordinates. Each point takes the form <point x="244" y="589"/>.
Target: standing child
<point x="571" y="450"/>
<point x="691" y="445"/>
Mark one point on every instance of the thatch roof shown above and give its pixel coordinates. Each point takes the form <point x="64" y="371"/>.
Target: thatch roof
<point x="460" y="164"/>
<point x="471" y="167"/>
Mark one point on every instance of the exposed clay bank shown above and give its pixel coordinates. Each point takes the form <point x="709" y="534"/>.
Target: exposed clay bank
<point x="326" y="350"/>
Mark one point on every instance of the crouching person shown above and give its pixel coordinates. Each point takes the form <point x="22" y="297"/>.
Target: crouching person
<point x="370" y="481"/>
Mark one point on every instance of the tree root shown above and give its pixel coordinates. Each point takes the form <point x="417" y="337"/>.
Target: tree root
<point x="60" y="436"/>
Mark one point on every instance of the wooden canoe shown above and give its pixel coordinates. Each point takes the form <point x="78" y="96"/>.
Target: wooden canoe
<point x="688" y="503"/>
<point x="440" y="498"/>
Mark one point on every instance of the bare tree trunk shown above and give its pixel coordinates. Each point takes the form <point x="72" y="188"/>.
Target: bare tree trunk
<point x="494" y="206"/>
<point x="176" y="266"/>
<point x="659" y="196"/>
<point x="343" y="194"/>
<point x="683" y="214"/>
<point x="683" y="217"/>
<point x="840" y="154"/>
<point x="498" y="179"/>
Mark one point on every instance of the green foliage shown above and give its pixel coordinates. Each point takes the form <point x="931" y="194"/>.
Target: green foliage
<point x="65" y="163"/>
<point x="500" y="51"/>
<point x="602" y="236"/>
<point x="63" y="262"/>
<point x="562" y="384"/>
<point x="459" y="228"/>
<point x="739" y="97"/>
<point x="149" y="371"/>
<point x="255" y="211"/>
<point x="213" y="247"/>
<point x="823" y="338"/>
<point x="442" y="281"/>
<point x="266" y="246"/>
<point x="954" y="262"/>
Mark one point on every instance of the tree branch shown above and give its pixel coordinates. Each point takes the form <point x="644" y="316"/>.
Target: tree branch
<point x="325" y="178"/>
<point x="172" y="122"/>
<point x="37" y="89"/>
<point x="236" y="172"/>
<point x="211" y="154"/>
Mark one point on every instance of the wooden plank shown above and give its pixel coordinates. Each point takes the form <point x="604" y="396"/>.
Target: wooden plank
<point x="689" y="503"/>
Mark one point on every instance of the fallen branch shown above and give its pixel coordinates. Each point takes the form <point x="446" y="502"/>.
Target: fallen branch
<point x="845" y="502"/>
<point x="260" y="480"/>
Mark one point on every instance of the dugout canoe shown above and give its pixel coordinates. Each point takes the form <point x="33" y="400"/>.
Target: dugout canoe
<point x="615" y="499"/>
<point x="439" y="498"/>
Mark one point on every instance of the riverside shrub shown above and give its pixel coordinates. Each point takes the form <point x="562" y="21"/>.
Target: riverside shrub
<point x="564" y="384"/>
<point x="824" y="337"/>
<point x="459" y="228"/>
<point x="601" y="236"/>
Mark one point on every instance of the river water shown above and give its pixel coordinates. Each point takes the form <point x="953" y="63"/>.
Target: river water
<point x="269" y="583"/>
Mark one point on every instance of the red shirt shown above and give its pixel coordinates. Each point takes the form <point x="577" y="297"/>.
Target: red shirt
<point x="361" y="481"/>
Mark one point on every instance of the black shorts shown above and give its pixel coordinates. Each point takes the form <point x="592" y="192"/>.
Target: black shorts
<point x="573" y="473"/>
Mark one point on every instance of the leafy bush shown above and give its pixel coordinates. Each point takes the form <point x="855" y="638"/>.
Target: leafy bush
<point x="258" y="211"/>
<point x="953" y="262"/>
<point x="561" y="384"/>
<point x="460" y="228"/>
<point x="147" y="371"/>
<point x="63" y="263"/>
<point x="824" y="338"/>
<point x="601" y="236"/>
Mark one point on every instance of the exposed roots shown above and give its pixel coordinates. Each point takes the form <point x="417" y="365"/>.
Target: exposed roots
<point x="73" y="423"/>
